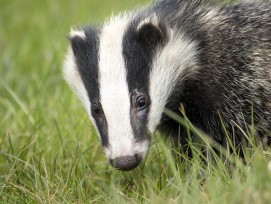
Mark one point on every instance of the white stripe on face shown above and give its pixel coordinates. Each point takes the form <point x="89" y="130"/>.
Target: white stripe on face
<point x="114" y="92"/>
<point x="72" y="76"/>
<point x="168" y="66"/>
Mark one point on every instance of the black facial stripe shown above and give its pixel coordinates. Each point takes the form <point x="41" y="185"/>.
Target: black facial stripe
<point x="86" y="55"/>
<point x="139" y="119"/>
<point x="138" y="66"/>
<point x="137" y="62"/>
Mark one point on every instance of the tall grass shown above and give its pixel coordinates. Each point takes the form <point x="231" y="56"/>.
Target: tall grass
<point x="49" y="151"/>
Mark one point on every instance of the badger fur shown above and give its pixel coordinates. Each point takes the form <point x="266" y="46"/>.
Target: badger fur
<point x="214" y="60"/>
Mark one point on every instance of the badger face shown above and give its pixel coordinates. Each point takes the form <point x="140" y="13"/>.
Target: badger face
<point x="123" y="75"/>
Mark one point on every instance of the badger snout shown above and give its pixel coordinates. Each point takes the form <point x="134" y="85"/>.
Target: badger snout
<point x="128" y="155"/>
<point x="126" y="163"/>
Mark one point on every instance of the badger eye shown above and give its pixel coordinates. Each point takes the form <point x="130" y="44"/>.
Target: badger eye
<point x="97" y="110"/>
<point x="141" y="103"/>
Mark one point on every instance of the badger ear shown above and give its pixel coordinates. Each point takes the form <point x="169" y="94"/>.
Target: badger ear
<point x="77" y="39"/>
<point x="152" y="32"/>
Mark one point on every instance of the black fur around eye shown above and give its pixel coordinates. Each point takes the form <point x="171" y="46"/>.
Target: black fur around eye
<point x="141" y="103"/>
<point x="97" y="110"/>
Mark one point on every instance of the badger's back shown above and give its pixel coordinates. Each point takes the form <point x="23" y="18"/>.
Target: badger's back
<point x="233" y="79"/>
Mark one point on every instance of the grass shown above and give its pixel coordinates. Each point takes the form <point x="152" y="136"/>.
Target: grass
<point x="49" y="152"/>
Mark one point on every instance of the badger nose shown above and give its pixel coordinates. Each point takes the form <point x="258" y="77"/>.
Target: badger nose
<point x="126" y="163"/>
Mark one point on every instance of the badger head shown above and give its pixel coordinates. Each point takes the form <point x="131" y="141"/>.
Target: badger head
<point x="124" y="73"/>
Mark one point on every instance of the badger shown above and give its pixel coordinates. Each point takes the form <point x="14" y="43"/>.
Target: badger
<point x="214" y="60"/>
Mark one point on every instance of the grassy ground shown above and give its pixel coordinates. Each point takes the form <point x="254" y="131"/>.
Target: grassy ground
<point x="49" y="152"/>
